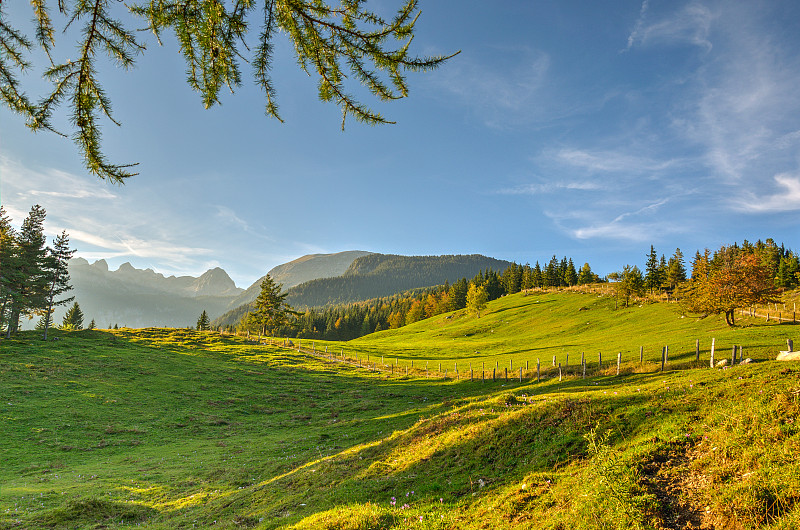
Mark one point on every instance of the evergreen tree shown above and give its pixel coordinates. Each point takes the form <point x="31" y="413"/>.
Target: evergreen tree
<point x="73" y="320"/>
<point x="552" y="277"/>
<point x="494" y="288"/>
<point x="652" y="275"/>
<point x="59" y="257"/>
<point x="527" y="278"/>
<point x="571" y="275"/>
<point x="458" y="295"/>
<point x="537" y="277"/>
<point x="203" y="322"/>
<point x="7" y="270"/>
<point x="339" y="43"/>
<point x="676" y="269"/>
<point x="270" y="308"/>
<point x="92" y="325"/>
<point x="25" y="276"/>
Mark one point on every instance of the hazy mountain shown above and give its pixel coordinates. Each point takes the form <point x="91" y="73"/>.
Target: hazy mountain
<point x="306" y="268"/>
<point x="138" y="298"/>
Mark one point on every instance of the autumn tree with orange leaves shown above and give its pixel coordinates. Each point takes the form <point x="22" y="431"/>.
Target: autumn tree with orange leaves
<point x="731" y="280"/>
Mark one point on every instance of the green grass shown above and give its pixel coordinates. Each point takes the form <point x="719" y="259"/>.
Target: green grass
<point x="180" y="429"/>
<point x="519" y="329"/>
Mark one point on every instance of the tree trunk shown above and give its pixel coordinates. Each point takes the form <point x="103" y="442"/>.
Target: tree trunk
<point x="729" y="317"/>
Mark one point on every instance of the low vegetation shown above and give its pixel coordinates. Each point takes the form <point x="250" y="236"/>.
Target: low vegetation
<point x="163" y="428"/>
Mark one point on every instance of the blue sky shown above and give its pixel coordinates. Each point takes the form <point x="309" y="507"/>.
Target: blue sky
<point x="587" y="129"/>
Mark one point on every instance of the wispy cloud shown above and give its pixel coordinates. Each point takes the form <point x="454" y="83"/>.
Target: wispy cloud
<point x="691" y="24"/>
<point x="100" y="221"/>
<point x="640" y="225"/>
<point x="612" y="161"/>
<point x="501" y="94"/>
<point x="549" y="187"/>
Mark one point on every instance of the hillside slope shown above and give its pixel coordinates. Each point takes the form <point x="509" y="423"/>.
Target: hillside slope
<point x="174" y="428"/>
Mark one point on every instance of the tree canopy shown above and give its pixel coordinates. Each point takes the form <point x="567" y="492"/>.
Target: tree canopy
<point x="732" y="279"/>
<point x="337" y="43"/>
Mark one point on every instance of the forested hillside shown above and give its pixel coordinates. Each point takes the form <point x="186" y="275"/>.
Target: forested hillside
<point x="378" y="275"/>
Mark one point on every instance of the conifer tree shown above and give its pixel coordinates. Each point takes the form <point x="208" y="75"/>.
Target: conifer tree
<point x="73" y="320"/>
<point x="203" y="322"/>
<point x="92" y="325"/>
<point x="58" y="258"/>
<point x="7" y="253"/>
<point x="345" y="44"/>
<point x="270" y="309"/>
<point x="652" y="275"/>
<point x="676" y="269"/>
<point x="571" y="275"/>
<point x="25" y="275"/>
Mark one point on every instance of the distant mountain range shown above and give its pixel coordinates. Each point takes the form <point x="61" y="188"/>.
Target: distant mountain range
<point x="140" y="298"/>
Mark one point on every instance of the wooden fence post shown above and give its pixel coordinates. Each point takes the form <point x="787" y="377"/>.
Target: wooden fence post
<point x="538" y="371"/>
<point x="583" y="367"/>
<point x="520" y="374"/>
<point x="697" y="350"/>
<point x="619" y="361"/>
<point x="494" y="370"/>
<point x="506" y="369"/>
<point x="641" y="355"/>
<point x="583" y="358"/>
<point x="566" y="362"/>
<point x="599" y="362"/>
<point x="713" y="343"/>
<point x="733" y="355"/>
<point x="666" y="353"/>
<point x="663" y="357"/>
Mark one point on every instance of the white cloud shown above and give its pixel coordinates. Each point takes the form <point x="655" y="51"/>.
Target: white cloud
<point x="786" y="200"/>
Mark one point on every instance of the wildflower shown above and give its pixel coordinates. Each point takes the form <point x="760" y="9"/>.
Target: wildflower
<point x="420" y="518"/>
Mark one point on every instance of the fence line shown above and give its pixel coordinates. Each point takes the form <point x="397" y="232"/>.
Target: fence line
<point x="622" y="366"/>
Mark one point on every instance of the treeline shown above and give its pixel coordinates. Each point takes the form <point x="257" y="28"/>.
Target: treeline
<point x="350" y="321"/>
<point x="722" y="281"/>
<point x="33" y="276"/>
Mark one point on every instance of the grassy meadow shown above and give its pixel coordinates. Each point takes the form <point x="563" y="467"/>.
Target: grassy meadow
<point x="163" y="428"/>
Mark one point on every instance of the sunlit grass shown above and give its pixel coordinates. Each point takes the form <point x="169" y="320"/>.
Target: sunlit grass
<point x="175" y="428"/>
